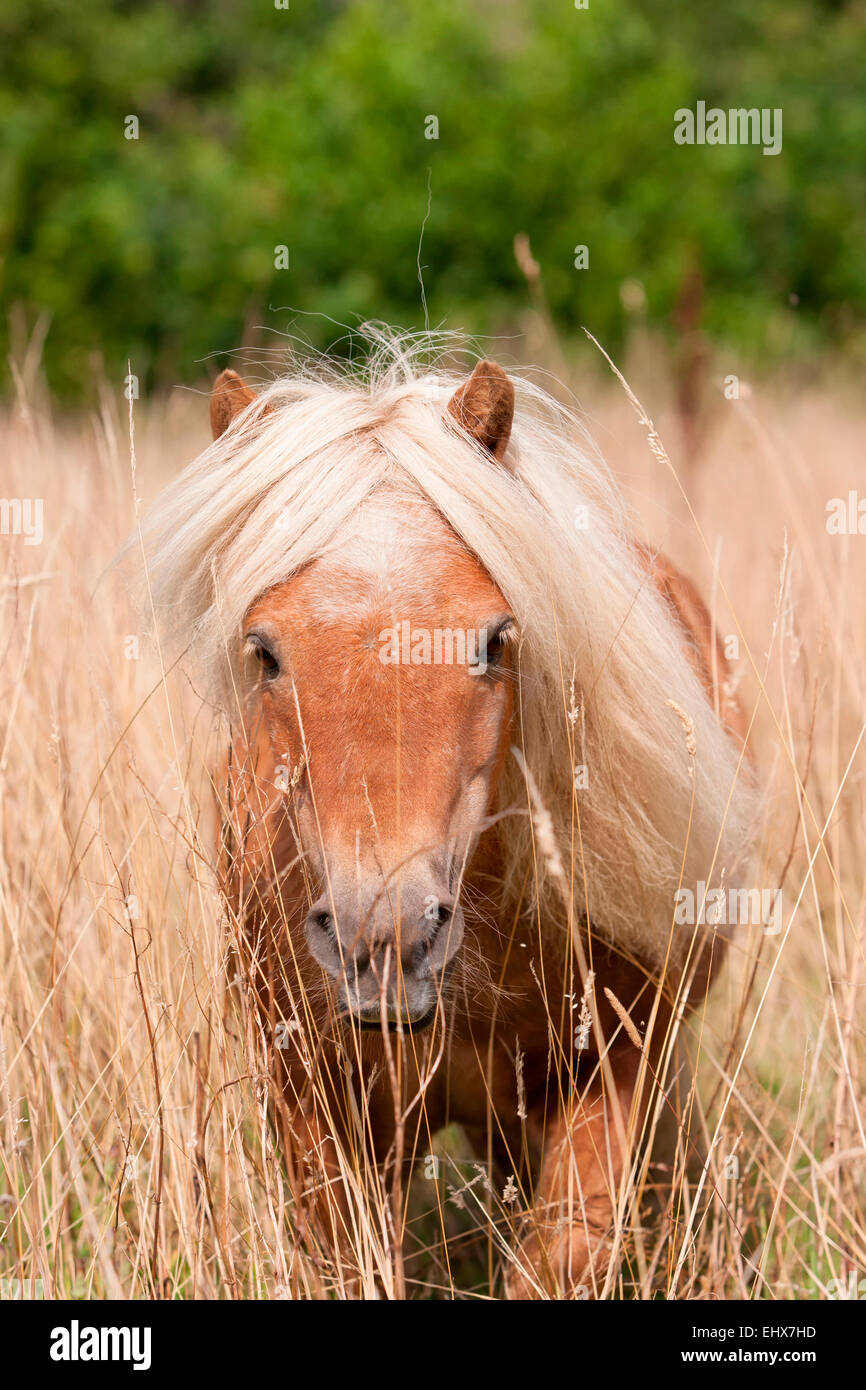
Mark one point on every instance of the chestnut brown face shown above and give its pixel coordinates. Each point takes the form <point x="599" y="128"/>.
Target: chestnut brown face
<point x="385" y="669"/>
<point x="388" y="666"/>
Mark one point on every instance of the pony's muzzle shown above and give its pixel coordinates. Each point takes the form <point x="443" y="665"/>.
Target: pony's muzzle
<point x="388" y="964"/>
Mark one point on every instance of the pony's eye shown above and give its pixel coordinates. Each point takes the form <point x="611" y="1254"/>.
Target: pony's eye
<point x="267" y="665"/>
<point x="496" y="638"/>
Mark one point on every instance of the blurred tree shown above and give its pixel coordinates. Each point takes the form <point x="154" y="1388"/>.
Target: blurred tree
<point x="307" y="128"/>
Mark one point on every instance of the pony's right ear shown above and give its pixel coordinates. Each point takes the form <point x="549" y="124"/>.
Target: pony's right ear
<point x="484" y="407"/>
<point x="229" y="397"/>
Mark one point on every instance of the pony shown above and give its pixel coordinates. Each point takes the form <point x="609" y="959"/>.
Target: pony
<point x="479" y="738"/>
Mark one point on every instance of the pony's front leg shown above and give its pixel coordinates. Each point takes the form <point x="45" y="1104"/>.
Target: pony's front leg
<point x="563" y="1248"/>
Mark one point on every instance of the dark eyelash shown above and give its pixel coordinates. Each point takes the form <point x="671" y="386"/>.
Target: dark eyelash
<point x="266" y="659"/>
<point x="497" y="641"/>
<point x="501" y="635"/>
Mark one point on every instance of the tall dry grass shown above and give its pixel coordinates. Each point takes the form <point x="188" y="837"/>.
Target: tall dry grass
<point x="137" y="1153"/>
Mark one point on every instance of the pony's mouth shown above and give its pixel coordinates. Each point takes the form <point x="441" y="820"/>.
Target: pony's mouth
<point x="373" y="1024"/>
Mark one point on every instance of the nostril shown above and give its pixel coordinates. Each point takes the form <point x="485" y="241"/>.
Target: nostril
<point x="319" y="920"/>
<point x="322" y="939"/>
<point x="437" y="918"/>
<point x="441" y="935"/>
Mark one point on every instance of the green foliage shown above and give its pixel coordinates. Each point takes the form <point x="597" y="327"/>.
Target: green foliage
<point x="306" y="127"/>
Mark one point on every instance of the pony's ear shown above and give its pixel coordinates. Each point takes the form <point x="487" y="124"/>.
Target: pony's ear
<point x="484" y="407"/>
<point x="229" y="397"/>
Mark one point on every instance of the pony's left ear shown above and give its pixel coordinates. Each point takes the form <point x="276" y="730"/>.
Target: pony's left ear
<point x="484" y="407"/>
<point x="229" y="397"/>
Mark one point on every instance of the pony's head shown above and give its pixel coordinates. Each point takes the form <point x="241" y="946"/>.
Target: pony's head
<point x="384" y="669"/>
<point x="399" y="578"/>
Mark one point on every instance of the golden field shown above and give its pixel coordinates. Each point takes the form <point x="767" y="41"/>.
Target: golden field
<point x="137" y="1158"/>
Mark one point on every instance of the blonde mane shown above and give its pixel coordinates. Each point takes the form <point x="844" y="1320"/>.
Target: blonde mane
<point x="600" y="657"/>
